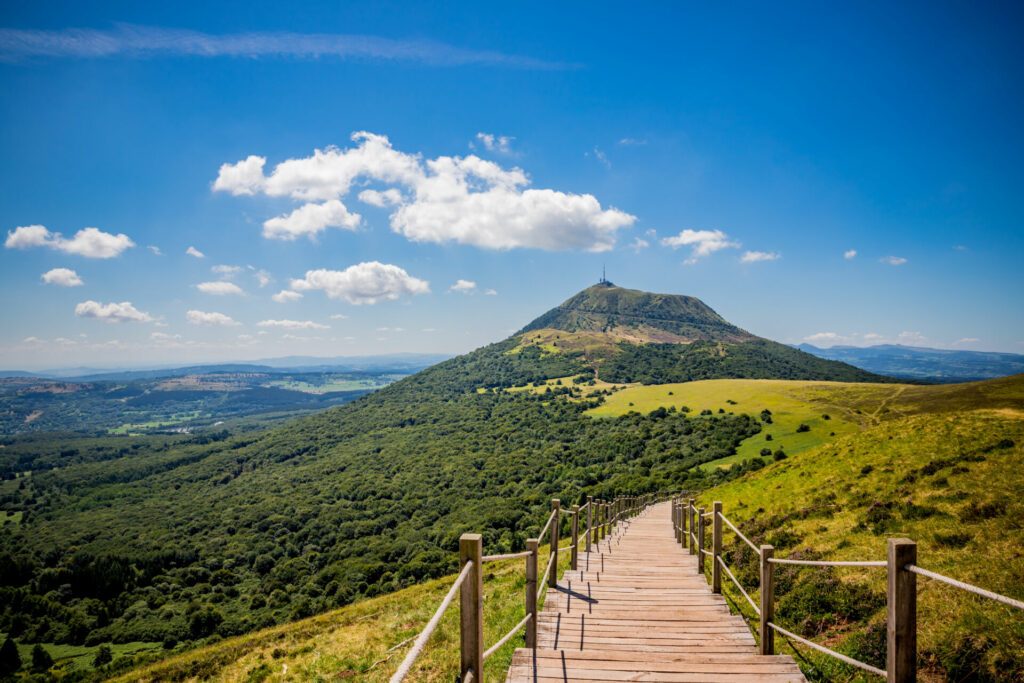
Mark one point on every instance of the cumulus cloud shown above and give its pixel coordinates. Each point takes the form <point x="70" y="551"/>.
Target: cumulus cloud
<point x="262" y="277"/>
<point x="490" y="292"/>
<point x="286" y="295"/>
<point x="702" y="243"/>
<point x="293" y="324"/>
<point x="210" y="319"/>
<point x="389" y="197"/>
<point x="64" y="277"/>
<point x="467" y="200"/>
<point x="893" y="260"/>
<point x="501" y="144"/>
<point x="192" y="251"/>
<point x="219" y="288"/>
<point x="463" y="287"/>
<point x="155" y="249"/>
<point x="112" y="312"/>
<point x="850" y="254"/>
<point x="87" y="242"/>
<point x="758" y="256"/>
<point x="365" y="283"/>
<point x="309" y="220"/>
<point x="639" y="244"/>
<point x="339" y="316"/>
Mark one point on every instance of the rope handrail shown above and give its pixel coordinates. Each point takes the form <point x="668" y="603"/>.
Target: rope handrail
<point x="505" y="556"/>
<point x="544" y="531"/>
<point x="705" y="551"/>
<point x="736" y="581"/>
<point x="965" y="586"/>
<point x="821" y="648"/>
<point x="505" y="638"/>
<point x="740" y="534"/>
<point x="428" y="630"/>
<point x="825" y="563"/>
<point x="546" y="573"/>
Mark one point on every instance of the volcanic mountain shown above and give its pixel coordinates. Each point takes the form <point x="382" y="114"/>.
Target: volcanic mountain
<point x="627" y="335"/>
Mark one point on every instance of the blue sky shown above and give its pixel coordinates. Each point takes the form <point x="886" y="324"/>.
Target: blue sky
<point x="736" y="152"/>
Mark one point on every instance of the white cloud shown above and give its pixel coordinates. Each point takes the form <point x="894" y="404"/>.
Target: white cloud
<point x="825" y="339"/>
<point x="850" y="254"/>
<point x="164" y="337"/>
<point x="227" y="271"/>
<point x="893" y="260"/>
<point x="966" y="341"/>
<point x="364" y="283"/>
<point x="242" y="178"/>
<point x="112" y="312"/>
<point x="309" y="220"/>
<point x="639" y="244"/>
<point x="219" y="288"/>
<point x="632" y="142"/>
<point x="134" y="41"/>
<point x="192" y="251"/>
<point x="389" y="197"/>
<point x="463" y="287"/>
<point x="491" y="292"/>
<point x="758" y="256"/>
<point x="391" y="329"/>
<point x="65" y="277"/>
<point x="428" y="330"/>
<point x="286" y="295"/>
<point x="210" y="318"/>
<point x="339" y="316"/>
<point x="602" y="157"/>
<point x="293" y="324"/>
<point x="495" y="143"/>
<point x="702" y="243"/>
<point x="467" y="200"/>
<point x="262" y="277"/>
<point x="87" y="242"/>
<point x="155" y="249"/>
<point x="911" y="338"/>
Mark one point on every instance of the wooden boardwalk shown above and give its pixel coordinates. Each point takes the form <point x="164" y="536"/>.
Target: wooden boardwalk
<point x="637" y="610"/>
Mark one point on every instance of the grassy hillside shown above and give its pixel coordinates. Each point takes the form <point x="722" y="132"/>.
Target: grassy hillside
<point x="365" y="641"/>
<point x="947" y="476"/>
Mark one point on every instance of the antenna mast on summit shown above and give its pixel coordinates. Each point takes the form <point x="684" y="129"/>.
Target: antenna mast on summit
<point x="604" y="277"/>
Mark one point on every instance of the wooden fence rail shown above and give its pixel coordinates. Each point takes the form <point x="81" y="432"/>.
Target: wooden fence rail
<point x="602" y="517"/>
<point x="901" y="587"/>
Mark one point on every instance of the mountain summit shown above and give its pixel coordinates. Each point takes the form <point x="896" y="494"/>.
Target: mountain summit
<point x="626" y="335"/>
<point x="641" y="316"/>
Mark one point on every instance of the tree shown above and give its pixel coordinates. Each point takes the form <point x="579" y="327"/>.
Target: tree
<point x="103" y="656"/>
<point x="10" y="661"/>
<point x="41" y="659"/>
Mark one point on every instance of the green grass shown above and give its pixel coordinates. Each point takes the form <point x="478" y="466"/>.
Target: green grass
<point x="365" y="641"/>
<point x="12" y="517"/>
<point x="170" y="421"/>
<point x="954" y="484"/>
<point x="69" y="658"/>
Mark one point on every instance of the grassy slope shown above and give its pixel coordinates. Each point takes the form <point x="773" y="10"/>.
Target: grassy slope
<point x="365" y="641"/>
<point x="955" y="485"/>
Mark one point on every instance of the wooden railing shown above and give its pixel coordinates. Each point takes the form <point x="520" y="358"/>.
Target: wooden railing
<point x="690" y="524"/>
<point x="601" y="519"/>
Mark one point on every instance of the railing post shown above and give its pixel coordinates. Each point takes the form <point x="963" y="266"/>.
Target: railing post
<point x="901" y="621"/>
<point x="555" y="523"/>
<point x="590" y="519"/>
<point x="573" y="550"/>
<point x="471" y="606"/>
<point x="700" y="540"/>
<point x="675" y="521"/>
<point x="531" y="592"/>
<point x="716" y="547"/>
<point x="684" y="536"/>
<point x="693" y="526"/>
<point x="767" y="601"/>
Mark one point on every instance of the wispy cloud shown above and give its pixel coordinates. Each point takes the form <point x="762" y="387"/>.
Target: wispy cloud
<point x="759" y="256"/>
<point x="893" y="260"/>
<point x="133" y="41"/>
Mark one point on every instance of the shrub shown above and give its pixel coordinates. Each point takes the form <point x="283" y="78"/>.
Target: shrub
<point x="41" y="659"/>
<point x="765" y="452"/>
<point x="10" y="660"/>
<point x="767" y="437"/>
<point x="866" y="470"/>
<point x="826" y="416"/>
<point x="780" y="455"/>
<point x="103" y="656"/>
<point x="802" y="428"/>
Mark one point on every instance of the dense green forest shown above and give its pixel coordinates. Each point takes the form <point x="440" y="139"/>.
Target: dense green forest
<point x="183" y="539"/>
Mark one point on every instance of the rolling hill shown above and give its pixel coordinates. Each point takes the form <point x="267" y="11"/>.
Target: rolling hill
<point x="179" y="541"/>
<point x="916" y="363"/>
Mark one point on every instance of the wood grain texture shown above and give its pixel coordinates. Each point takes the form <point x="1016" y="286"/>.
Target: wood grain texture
<point x="636" y="609"/>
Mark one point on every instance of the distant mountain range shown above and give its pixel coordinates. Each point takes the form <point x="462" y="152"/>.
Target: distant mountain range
<point x="918" y="363"/>
<point x="403" y="363"/>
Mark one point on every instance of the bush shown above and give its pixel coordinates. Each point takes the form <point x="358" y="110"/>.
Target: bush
<point x="41" y="659"/>
<point x="10" y="660"/>
<point x="103" y="656"/>
<point x="767" y="437"/>
<point x="780" y="455"/>
<point x="802" y="428"/>
<point x="765" y="452"/>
